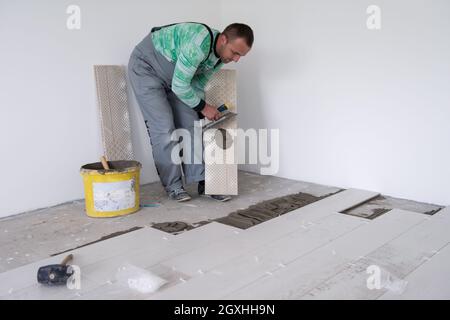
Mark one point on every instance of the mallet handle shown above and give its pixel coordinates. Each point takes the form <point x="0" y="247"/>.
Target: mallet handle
<point x="67" y="259"/>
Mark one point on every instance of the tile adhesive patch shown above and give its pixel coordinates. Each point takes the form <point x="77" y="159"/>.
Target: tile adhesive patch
<point x="269" y="209"/>
<point x="251" y="216"/>
<point x="220" y="153"/>
<point x="109" y="236"/>
<point x="380" y="205"/>
<point x="113" y="110"/>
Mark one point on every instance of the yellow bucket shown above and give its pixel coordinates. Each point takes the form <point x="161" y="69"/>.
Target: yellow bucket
<point x="113" y="192"/>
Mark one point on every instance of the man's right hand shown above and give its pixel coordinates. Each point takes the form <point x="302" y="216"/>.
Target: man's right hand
<point x="210" y="112"/>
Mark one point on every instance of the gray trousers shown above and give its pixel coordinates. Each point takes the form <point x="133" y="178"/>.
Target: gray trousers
<point x="150" y="76"/>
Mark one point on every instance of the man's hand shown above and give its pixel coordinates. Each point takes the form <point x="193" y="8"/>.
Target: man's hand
<point x="211" y="112"/>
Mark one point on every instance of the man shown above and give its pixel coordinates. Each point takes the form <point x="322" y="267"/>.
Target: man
<point x="168" y="71"/>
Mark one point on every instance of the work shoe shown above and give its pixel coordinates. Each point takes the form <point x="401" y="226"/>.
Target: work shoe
<point x="217" y="197"/>
<point x="179" y="195"/>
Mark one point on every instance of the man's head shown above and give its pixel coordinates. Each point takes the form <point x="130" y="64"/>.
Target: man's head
<point x="234" y="42"/>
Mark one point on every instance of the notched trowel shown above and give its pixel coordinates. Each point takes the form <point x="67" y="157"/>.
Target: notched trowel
<point x="225" y="114"/>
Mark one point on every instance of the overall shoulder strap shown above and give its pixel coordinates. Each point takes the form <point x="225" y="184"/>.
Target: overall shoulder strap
<point x="211" y="36"/>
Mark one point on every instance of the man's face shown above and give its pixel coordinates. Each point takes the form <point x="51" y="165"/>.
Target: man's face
<point x="231" y="50"/>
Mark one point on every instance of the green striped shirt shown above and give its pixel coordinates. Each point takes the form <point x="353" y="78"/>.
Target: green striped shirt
<point x="187" y="45"/>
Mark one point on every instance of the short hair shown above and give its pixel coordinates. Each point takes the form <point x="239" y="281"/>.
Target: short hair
<point x="239" y="30"/>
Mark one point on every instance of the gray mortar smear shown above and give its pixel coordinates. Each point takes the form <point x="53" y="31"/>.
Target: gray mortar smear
<point x="251" y="216"/>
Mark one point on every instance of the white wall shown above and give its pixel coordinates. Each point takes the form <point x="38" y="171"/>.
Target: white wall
<point x="49" y="121"/>
<point x="355" y="107"/>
